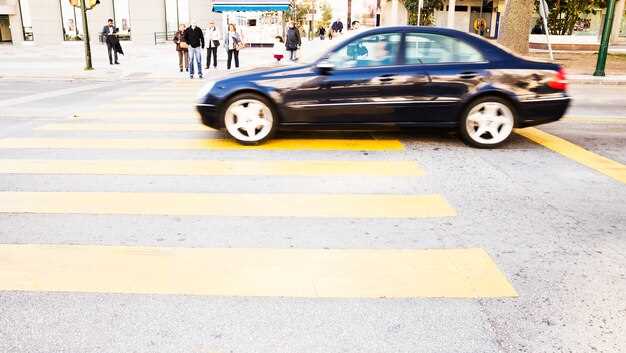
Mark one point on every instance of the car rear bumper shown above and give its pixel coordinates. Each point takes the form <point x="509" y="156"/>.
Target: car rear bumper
<point x="543" y="110"/>
<point x="208" y="115"/>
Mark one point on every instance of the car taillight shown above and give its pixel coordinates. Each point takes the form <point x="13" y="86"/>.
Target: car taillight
<point x="560" y="81"/>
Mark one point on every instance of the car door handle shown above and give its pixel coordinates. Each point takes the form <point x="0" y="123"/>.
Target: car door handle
<point x="468" y="75"/>
<point x="385" y="78"/>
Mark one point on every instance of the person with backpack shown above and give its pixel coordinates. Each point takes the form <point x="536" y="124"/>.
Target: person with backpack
<point x="292" y="41"/>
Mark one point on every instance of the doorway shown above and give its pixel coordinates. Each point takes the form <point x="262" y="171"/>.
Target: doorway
<point x="5" y="29"/>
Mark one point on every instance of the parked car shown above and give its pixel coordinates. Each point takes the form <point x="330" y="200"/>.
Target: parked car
<point x="393" y="76"/>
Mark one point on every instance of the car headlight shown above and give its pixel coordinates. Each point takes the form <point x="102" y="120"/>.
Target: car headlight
<point x="206" y="89"/>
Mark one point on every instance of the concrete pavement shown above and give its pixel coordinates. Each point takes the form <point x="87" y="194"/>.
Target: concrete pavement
<point x="549" y="225"/>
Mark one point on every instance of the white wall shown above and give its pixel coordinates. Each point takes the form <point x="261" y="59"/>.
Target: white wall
<point x="201" y="12"/>
<point x="387" y="16"/>
<point x="146" y="17"/>
<point x="46" y="16"/>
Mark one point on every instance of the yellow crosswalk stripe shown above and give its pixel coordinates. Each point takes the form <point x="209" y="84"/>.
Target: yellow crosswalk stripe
<point x="210" y="167"/>
<point x="190" y="99"/>
<point x="203" y="144"/>
<point x="576" y="153"/>
<point x="181" y="114"/>
<point x="229" y="205"/>
<point x="152" y="127"/>
<point x="300" y="273"/>
<point x="113" y="106"/>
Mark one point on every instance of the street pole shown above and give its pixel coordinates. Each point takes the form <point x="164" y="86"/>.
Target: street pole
<point x="606" y="36"/>
<point x="83" y="10"/>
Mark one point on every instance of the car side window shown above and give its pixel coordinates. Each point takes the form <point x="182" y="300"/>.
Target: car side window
<point x="374" y="50"/>
<point x="427" y="48"/>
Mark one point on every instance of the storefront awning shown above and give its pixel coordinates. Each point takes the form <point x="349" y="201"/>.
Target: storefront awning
<point x="250" y="5"/>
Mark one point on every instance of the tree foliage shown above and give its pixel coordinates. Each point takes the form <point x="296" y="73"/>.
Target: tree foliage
<point x="565" y="15"/>
<point x="298" y="11"/>
<point x="427" y="15"/>
<point x="327" y="15"/>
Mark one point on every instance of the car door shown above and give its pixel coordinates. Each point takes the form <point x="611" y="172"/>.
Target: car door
<point x="455" y="70"/>
<point x="364" y="82"/>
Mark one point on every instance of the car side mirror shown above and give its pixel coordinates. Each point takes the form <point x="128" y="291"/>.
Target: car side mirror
<point x="325" y="67"/>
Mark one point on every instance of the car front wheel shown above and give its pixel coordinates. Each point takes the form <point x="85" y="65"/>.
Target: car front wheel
<point x="249" y="119"/>
<point x="488" y="122"/>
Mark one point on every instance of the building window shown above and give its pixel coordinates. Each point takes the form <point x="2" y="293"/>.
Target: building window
<point x="176" y="13"/>
<point x="121" y="16"/>
<point x="27" y="22"/>
<point x="72" y="21"/>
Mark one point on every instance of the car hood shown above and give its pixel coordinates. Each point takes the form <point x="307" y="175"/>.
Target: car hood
<point x="268" y="72"/>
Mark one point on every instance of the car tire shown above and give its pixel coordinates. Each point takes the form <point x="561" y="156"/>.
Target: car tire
<point x="249" y="119"/>
<point x="487" y="122"/>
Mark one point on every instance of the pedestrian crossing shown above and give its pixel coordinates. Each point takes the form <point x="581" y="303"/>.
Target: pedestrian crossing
<point x="211" y="167"/>
<point x="308" y="273"/>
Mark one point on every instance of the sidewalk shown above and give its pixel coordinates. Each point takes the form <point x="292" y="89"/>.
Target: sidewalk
<point x="160" y="62"/>
<point x="67" y="61"/>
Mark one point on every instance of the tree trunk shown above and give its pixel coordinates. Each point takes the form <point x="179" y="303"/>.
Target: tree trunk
<point x="349" y="14"/>
<point x="515" y="25"/>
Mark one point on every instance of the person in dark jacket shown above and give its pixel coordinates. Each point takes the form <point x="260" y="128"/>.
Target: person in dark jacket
<point x="292" y="42"/>
<point x="110" y="38"/>
<point x="195" y="41"/>
<point x="181" y="48"/>
<point x="337" y="26"/>
<point x="321" y="32"/>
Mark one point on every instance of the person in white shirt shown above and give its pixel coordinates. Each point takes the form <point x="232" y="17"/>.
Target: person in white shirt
<point x="213" y="41"/>
<point x="278" y="51"/>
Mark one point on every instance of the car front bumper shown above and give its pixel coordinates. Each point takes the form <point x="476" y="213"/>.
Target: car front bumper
<point x="208" y="115"/>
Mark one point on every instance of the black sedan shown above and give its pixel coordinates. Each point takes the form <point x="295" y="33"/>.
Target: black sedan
<point x="393" y="76"/>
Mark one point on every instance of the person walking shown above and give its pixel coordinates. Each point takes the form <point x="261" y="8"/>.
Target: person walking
<point x="213" y="41"/>
<point x="182" y="48"/>
<point x="110" y="37"/>
<point x="195" y="40"/>
<point x="321" y="32"/>
<point x="337" y="26"/>
<point x="233" y="43"/>
<point x="292" y="42"/>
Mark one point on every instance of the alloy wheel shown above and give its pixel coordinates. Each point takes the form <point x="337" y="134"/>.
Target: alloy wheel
<point x="248" y="120"/>
<point x="490" y="123"/>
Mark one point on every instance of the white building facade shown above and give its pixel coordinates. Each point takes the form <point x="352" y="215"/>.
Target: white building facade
<point x="49" y="22"/>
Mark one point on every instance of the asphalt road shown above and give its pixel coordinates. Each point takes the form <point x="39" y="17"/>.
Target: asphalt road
<point x="551" y="229"/>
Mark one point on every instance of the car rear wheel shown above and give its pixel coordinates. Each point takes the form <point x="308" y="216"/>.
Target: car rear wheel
<point x="488" y="122"/>
<point x="249" y="119"/>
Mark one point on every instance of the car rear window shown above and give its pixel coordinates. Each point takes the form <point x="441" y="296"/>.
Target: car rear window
<point x="427" y="48"/>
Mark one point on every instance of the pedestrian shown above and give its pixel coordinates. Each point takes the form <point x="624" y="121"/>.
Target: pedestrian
<point x="292" y="41"/>
<point x="233" y="43"/>
<point x="113" y="44"/>
<point x="356" y="25"/>
<point x="337" y="26"/>
<point x="182" y="48"/>
<point x="213" y="41"/>
<point x="278" y="48"/>
<point x="321" y="32"/>
<point x="195" y="40"/>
